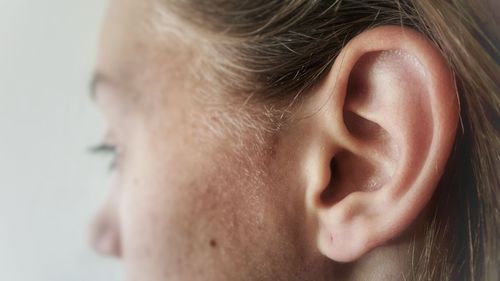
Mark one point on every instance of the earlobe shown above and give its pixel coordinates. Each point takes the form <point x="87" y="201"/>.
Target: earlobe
<point x="393" y="97"/>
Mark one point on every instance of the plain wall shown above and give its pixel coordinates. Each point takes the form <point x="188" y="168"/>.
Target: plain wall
<point x="49" y="185"/>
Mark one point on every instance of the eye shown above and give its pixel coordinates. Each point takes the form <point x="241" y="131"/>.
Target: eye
<point x="107" y="150"/>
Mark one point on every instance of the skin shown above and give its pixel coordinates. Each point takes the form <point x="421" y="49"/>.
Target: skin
<point x="194" y="197"/>
<point x="206" y="189"/>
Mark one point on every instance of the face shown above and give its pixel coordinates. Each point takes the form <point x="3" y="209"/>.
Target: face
<point x="202" y="191"/>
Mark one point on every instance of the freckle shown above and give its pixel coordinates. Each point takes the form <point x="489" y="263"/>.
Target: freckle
<point x="213" y="243"/>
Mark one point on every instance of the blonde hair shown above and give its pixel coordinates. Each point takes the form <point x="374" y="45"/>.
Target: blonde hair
<point x="274" y="50"/>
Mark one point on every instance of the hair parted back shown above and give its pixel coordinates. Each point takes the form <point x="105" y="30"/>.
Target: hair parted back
<point x="274" y="50"/>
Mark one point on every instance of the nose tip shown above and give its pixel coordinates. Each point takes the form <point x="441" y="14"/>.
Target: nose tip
<point x="105" y="235"/>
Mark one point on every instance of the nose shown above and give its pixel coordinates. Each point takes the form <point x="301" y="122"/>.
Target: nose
<point x="105" y="232"/>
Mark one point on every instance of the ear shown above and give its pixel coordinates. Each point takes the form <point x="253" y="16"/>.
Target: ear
<point x="387" y="124"/>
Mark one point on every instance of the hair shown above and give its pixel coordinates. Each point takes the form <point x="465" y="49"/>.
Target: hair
<point x="274" y="50"/>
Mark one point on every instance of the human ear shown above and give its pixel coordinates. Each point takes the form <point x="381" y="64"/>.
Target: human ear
<point x="388" y="119"/>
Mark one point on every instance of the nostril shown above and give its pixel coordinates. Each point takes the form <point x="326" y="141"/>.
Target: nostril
<point x="104" y="236"/>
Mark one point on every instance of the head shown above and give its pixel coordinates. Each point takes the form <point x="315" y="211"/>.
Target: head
<point x="299" y="140"/>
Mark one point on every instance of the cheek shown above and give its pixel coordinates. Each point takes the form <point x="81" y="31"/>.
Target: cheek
<point x="183" y="205"/>
<point x="175" y="225"/>
<point x="193" y="209"/>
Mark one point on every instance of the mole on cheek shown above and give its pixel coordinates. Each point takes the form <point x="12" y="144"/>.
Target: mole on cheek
<point x="213" y="243"/>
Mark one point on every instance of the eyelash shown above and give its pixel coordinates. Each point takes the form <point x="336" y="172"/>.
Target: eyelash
<point x="107" y="149"/>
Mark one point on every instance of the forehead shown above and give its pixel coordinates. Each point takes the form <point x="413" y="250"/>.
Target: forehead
<point x="122" y="36"/>
<point x="137" y="55"/>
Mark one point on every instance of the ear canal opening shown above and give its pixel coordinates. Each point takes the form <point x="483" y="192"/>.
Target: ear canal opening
<point x="351" y="173"/>
<point x="327" y="197"/>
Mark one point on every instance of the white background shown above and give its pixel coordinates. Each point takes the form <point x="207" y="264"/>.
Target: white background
<point x="49" y="185"/>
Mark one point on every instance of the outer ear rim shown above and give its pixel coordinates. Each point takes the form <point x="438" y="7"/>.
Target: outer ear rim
<point x="410" y="41"/>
